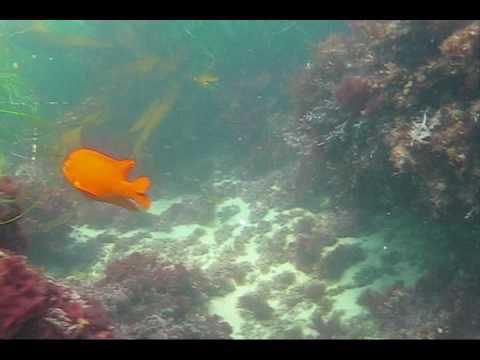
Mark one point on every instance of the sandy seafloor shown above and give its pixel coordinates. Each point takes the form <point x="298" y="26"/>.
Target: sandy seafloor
<point x="207" y="254"/>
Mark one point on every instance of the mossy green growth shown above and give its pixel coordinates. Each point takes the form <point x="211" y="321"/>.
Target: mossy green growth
<point x="32" y="118"/>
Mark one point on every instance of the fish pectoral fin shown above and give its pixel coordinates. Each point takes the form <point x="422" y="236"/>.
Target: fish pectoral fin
<point x="85" y="190"/>
<point x="89" y="194"/>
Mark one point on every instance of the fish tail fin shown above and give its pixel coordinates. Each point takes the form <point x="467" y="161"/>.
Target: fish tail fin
<point x="140" y="186"/>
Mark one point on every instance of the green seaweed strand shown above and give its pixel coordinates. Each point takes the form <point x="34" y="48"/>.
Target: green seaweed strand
<point x="22" y="114"/>
<point x="22" y="214"/>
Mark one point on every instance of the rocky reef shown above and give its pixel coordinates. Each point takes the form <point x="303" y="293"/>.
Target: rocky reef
<point x="392" y="109"/>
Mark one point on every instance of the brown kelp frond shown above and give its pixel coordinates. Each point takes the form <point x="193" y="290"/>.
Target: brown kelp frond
<point x="155" y="113"/>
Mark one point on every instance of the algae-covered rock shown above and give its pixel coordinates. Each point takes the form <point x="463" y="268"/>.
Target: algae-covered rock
<point x="334" y="264"/>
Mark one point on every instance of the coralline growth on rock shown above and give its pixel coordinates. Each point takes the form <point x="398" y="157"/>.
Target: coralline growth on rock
<point x="256" y="305"/>
<point x="353" y="93"/>
<point x="330" y="327"/>
<point x="392" y="109"/>
<point x="33" y="306"/>
<point x="335" y="262"/>
<point x="147" y="297"/>
<point x="440" y="305"/>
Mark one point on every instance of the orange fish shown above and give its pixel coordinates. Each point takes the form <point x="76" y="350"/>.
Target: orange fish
<point x="106" y="179"/>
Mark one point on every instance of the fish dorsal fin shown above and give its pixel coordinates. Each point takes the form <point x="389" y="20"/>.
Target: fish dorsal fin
<point x="126" y="165"/>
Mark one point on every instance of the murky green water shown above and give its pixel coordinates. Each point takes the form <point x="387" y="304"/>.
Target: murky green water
<point x="290" y="189"/>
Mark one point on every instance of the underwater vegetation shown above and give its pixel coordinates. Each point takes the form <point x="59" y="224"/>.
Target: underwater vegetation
<point x="150" y="298"/>
<point x="33" y="306"/>
<point x="46" y="34"/>
<point x="12" y="237"/>
<point x="149" y="64"/>
<point x="206" y="79"/>
<point x="157" y="111"/>
<point x="88" y="117"/>
<point x="257" y="306"/>
<point x="439" y="306"/>
<point x="341" y="258"/>
<point x="16" y="92"/>
<point x="48" y="225"/>
<point x="36" y="228"/>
